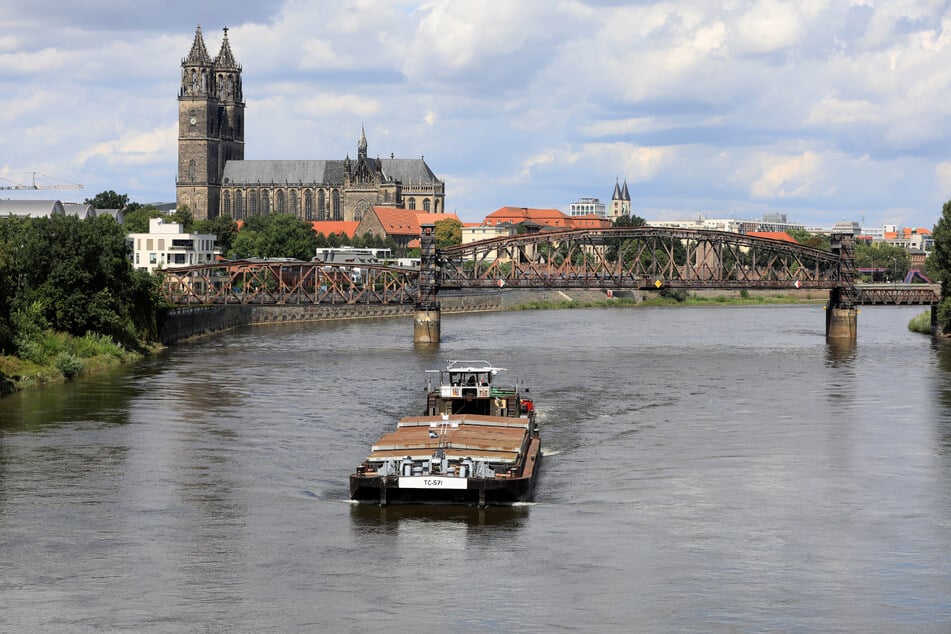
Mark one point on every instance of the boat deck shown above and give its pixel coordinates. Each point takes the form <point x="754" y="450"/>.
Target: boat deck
<point x="493" y="438"/>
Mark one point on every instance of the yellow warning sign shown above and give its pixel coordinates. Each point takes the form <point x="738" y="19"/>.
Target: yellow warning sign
<point x="658" y="283"/>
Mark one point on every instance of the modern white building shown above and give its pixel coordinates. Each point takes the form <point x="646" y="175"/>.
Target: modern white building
<point x="769" y="222"/>
<point x="587" y="207"/>
<point x="167" y="246"/>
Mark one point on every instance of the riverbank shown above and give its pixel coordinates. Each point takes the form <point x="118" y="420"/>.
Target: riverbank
<point x="52" y="357"/>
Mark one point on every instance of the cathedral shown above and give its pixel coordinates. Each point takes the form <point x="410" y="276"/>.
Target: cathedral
<point x="214" y="179"/>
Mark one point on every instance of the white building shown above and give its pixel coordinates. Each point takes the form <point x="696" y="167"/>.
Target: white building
<point x="166" y="245"/>
<point x="769" y="222"/>
<point x="587" y="207"/>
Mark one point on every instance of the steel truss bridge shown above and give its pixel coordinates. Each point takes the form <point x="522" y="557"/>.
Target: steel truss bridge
<point x="618" y="258"/>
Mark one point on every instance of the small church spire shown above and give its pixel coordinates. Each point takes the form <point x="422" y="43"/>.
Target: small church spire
<point x="225" y="59"/>
<point x="362" y="145"/>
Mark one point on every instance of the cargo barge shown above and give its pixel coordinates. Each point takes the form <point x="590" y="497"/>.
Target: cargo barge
<point x="476" y="443"/>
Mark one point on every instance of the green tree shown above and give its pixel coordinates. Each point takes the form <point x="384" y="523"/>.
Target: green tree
<point x="276" y="236"/>
<point x="108" y="200"/>
<point x="447" y="232"/>
<point x="893" y="259"/>
<point x="136" y="220"/>
<point x="807" y="239"/>
<point x="940" y="265"/>
<point x="77" y="274"/>
<point x="224" y="228"/>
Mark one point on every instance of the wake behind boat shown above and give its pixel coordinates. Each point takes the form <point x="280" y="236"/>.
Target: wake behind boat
<point x="476" y="443"/>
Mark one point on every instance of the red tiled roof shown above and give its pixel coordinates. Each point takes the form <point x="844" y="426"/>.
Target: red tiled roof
<point x="774" y="235"/>
<point x="405" y="222"/>
<point x="328" y="227"/>
<point x="515" y="215"/>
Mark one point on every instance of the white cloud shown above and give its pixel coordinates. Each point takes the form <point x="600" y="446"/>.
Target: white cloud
<point x="145" y="148"/>
<point x="780" y="177"/>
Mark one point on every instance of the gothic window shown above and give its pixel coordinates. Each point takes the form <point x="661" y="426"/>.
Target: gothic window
<point x="321" y="205"/>
<point x="412" y="203"/>
<point x="192" y="171"/>
<point x="265" y="202"/>
<point x="336" y="205"/>
<point x="226" y="203"/>
<point x="238" y="206"/>
<point x="253" y="203"/>
<point x="308" y="205"/>
<point x="361" y="210"/>
<point x="426" y="205"/>
<point x="279" y="202"/>
<point x="295" y="203"/>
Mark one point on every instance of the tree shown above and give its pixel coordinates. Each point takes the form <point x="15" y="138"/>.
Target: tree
<point x="276" y="236"/>
<point x="76" y="275"/>
<point x="447" y="232"/>
<point x="108" y="200"/>
<point x="136" y="220"/>
<point x="807" y="239"/>
<point x="940" y="265"/>
<point x="892" y="258"/>
<point x="224" y="228"/>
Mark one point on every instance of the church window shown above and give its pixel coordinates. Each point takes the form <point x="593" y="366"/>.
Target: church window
<point x="295" y="203"/>
<point x="308" y="205"/>
<point x="265" y="202"/>
<point x="279" y="202"/>
<point x="321" y="205"/>
<point x="412" y="203"/>
<point x="426" y="205"/>
<point x="226" y="203"/>
<point x="192" y="171"/>
<point x="336" y="205"/>
<point x="361" y="210"/>
<point x="253" y="203"/>
<point x="238" y="206"/>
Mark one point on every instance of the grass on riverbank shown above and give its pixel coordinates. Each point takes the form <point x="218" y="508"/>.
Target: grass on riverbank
<point x="674" y="299"/>
<point x="53" y="357"/>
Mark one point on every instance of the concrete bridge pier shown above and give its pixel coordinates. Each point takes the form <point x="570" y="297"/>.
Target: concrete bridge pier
<point x="841" y="323"/>
<point x="426" y="324"/>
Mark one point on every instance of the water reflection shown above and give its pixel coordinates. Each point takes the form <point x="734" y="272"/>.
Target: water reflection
<point x="388" y="519"/>
<point x="840" y="352"/>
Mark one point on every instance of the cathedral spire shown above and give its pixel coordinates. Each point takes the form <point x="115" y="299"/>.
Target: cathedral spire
<point x="362" y="145"/>
<point x="225" y="59"/>
<point x="625" y="195"/>
<point x="198" y="56"/>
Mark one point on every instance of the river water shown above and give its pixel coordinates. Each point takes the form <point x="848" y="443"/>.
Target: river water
<point x="706" y="469"/>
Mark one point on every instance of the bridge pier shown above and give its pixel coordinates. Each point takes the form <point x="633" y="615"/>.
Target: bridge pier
<point x="426" y="324"/>
<point x="427" y="316"/>
<point x="841" y="323"/>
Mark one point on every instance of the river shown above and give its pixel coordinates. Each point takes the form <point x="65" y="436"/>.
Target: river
<point x="706" y="469"/>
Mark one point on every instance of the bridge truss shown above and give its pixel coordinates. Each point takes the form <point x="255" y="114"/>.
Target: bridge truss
<point x="644" y="258"/>
<point x="289" y="283"/>
<point x="641" y="258"/>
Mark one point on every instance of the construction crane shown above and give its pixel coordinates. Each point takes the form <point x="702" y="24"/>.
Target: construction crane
<point x="61" y="185"/>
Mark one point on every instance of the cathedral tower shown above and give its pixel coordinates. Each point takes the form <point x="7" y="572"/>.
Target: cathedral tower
<point x="210" y="125"/>
<point x="620" y="201"/>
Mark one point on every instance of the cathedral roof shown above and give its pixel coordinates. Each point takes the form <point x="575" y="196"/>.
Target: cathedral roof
<point x="281" y="172"/>
<point x="199" y="54"/>
<point x="617" y="191"/>
<point x="406" y="171"/>
<point x="225" y="59"/>
<point x="625" y="195"/>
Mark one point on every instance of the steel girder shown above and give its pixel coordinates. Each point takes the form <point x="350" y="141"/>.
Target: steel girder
<point x="641" y="258"/>
<point x="298" y="283"/>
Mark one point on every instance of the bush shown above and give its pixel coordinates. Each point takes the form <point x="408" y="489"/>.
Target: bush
<point x="921" y="323"/>
<point x="69" y="365"/>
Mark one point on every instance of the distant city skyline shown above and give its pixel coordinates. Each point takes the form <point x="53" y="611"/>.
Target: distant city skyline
<point x="824" y="111"/>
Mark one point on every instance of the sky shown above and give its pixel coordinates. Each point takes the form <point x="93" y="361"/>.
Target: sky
<point x="824" y="110"/>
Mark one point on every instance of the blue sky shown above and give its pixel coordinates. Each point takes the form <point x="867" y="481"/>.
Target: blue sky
<point x="823" y="110"/>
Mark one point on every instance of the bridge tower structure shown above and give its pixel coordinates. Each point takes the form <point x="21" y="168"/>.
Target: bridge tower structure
<point x="426" y="317"/>
<point x="841" y="313"/>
